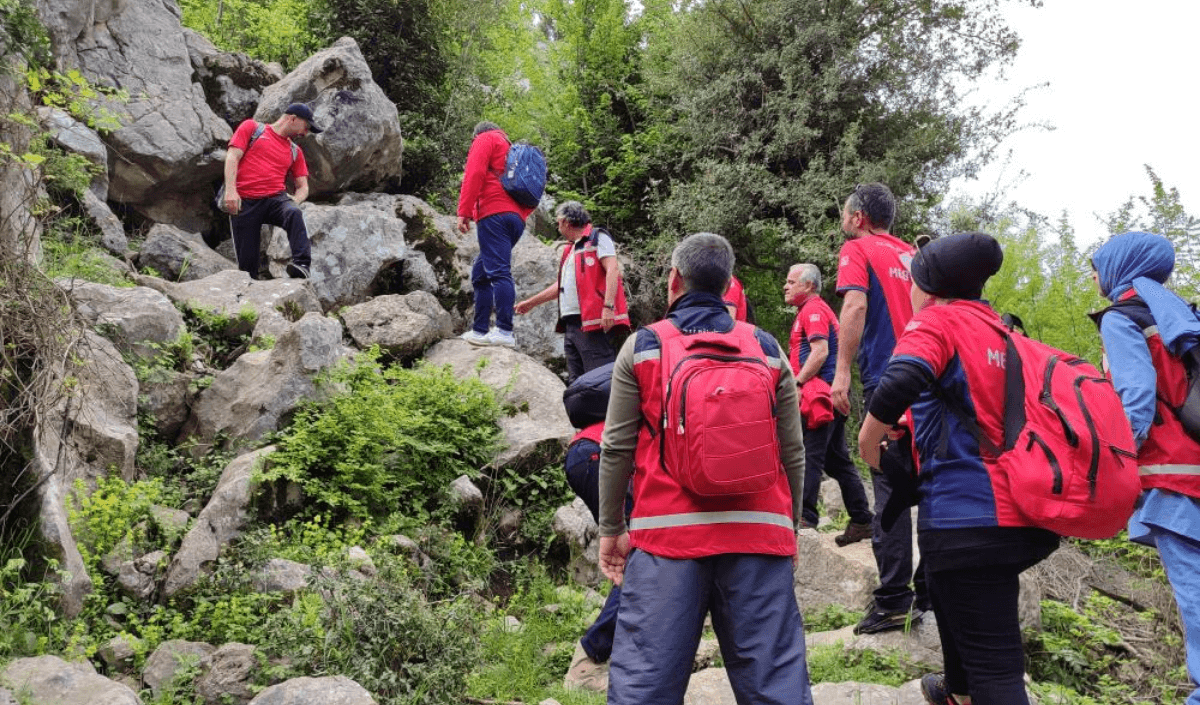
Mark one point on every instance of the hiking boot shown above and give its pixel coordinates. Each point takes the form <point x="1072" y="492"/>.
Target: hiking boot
<point x="876" y="621"/>
<point x="297" y="271"/>
<point x="475" y="338"/>
<point x="499" y="337"/>
<point x="586" y="674"/>
<point x="933" y="687"/>
<point x="853" y="534"/>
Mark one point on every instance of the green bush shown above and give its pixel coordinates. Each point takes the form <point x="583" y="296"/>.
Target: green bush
<point x="392" y="443"/>
<point x="834" y="664"/>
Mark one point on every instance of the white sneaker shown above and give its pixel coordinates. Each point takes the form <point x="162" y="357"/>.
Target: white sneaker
<point x="477" y="338"/>
<point x="498" y="337"/>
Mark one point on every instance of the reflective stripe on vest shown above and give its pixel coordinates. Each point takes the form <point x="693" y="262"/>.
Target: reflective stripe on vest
<point x="645" y="355"/>
<point x="671" y="521"/>
<point x="1169" y="470"/>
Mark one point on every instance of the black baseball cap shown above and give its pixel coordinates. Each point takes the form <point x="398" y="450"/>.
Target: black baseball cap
<point x="305" y="113"/>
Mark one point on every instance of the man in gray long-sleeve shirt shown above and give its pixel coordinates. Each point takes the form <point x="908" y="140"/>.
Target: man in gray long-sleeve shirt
<point x="685" y="554"/>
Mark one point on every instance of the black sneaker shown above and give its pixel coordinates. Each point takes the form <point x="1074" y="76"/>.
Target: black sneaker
<point x="933" y="687"/>
<point x="297" y="271"/>
<point x="876" y="621"/>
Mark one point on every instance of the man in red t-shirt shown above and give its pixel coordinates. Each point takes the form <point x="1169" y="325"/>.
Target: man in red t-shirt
<point x="813" y="352"/>
<point x="499" y="223"/>
<point x="874" y="281"/>
<point x="256" y="191"/>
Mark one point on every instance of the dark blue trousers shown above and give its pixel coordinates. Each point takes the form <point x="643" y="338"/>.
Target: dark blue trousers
<point x="491" y="275"/>
<point x="754" y="613"/>
<point x="246" y="228"/>
<point x="825" y="451"/>
<point x="583" y="475"/>
<point x="893" y="548"/>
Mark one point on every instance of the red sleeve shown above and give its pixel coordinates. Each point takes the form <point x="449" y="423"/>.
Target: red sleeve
<point x="852" y="268"/>
<point x="816" y="322"/>
<point x="243" y="133"/>
<point x="478" y="160"/>
<point x="300" y="166"/>
<point x="926" y="339"/>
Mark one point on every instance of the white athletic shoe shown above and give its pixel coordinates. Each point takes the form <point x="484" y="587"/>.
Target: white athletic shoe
<point x="499" y="337"/>
<point x="475" y="338"/>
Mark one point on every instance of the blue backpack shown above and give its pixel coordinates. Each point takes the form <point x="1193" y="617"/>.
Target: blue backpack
<point x="524" y="177"/>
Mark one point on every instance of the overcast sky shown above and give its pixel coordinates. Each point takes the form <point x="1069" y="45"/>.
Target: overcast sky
<point x="1124" y="91"/>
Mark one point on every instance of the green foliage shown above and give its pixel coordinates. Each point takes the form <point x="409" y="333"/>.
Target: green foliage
<point x="269" y="30"/>
<point x="117" y="513"/>
<point x="219" y="337"/>
<point x="76" y="95"/>
<point x="518" y="664"/>
<point x="830" y="618"/>
<point x="382" y="633"/>
<point x="1162" y="212"/>
<point x="188" y="479"/>
<point x="392" y="443"/>
<point x="22" y="36"/>
<point x="29" y="612"/>
<point x="1141" y="560"/>
<point x="68" y="252"/>
<point x="835" y="664"/>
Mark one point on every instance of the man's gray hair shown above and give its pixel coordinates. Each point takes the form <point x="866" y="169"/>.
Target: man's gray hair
<point x="705" y="262"/>
<point x="574" y="212"/>
<point x="808" y="272"/>
<point x="874" y="201"/>
<point x="485" y="126"/>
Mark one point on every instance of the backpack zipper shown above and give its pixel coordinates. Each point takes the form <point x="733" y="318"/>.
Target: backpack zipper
<point x="1047" y="400"/>
<point x="1058" y="476"/>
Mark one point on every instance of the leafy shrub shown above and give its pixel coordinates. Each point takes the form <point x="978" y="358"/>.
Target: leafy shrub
<point x="114" y="513"/>
<point x="268" y="30"/>
<point x="830" y="618"/>
<point x="392" y="443"/>
<point x="29" y="611"/>
<point x="382" y="633"/>
<point x="834" y="664"/>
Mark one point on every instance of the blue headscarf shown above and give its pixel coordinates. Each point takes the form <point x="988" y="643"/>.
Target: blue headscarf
<point x="1143" y="261"/>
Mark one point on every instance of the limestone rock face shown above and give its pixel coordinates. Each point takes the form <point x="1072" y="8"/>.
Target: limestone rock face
<point x="233" y="83"/>
<point x="330" y="690"/>
<point x="361" y="147"/>
<point x="138" y="320"/>
<point x="49" y="679"/>
<point x="165" y="146"/>
<point x="178" y="255"/>
<point x="400" y="325"/>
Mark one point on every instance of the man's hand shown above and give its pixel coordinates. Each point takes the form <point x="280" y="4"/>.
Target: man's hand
<point x="232" y="201"/>
<point x="607" y="318"/>
<point x="522" y="307"/>
<point x="464" y="224"/>
<point x="870" y="451"/>
<point x="613" y="552"/>
<point x="839" y="393"/>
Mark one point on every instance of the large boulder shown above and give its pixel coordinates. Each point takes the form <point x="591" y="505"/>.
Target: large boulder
<point x="177" y="255"/>
<point x="171" y="659"/>
<point x="232" y="292"/>
<point x="228" y="678"/>
<point x="402" y="326"/>
<point x="138" y="320"/>
<point x="537" y="429"/>
<point x="261" y="389"/>
<point x="49" y="680"/>
<point x="221" y="520"/>
<point x="827" y="574"/>
<point x="233" y="83"/>
<point x="358" y="252"/>
<point x="164" y="149"/>
<point x="328" y="690"/>
<point x="361" y="146"/>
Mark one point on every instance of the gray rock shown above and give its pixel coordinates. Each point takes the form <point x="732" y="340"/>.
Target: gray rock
<point x="361" y="561"/>
<point x="403" y="326"/>
<point x="167" y="135"/>
<point x="167" y="398"/>
<point x="358" y="252"/>
<point x="465" y="494"/>
<point x="361" y="146"/>
<point x="330" y="690"/>
<point x="49" y="680"/>
<point x="137" y="320"/>
<point x="233" y="83"/>
<point x="537" y="429"/>
<point x="228" y="677"/>
<point x="282" y="575"/>
<point x="574" y="524"/>
<point x="22" y="188"/>
<point x="920" y="645"/>
<point x="78" y="138"/>
<point x="232" y="292"/>
<point x="112" y="231"/>
<point x="172" y="658"/>
<point x="118" y="652"/>
<point x="261" y="389"/>
<point x="180" y="256"/>
<point x="219" y="522"/>
<point x="827" y="574"/>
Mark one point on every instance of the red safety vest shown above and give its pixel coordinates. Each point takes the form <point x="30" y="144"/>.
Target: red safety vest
<point x="1169" y="459"/>
<point x="590" y="285"/>
<point x="591" y="433"/>
<point x="671" y="522"/>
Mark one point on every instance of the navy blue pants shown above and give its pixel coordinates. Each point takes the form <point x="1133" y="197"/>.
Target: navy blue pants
<point x="754" y="613"/>
<point x="585" y="351"/>
<point x="491" y="275"/>
<point x="278" y="210"/>
<point x="825" y="451"/>
<point x="583" y="475"/>
<point x="893" y="548"/>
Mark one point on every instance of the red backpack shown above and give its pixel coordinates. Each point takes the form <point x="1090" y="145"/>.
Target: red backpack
<point x="1068" y="455"/>
<point x="719" y="415"/>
